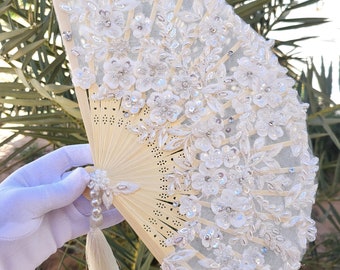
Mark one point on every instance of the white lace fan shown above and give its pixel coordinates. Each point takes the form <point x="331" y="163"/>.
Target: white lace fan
<point x="198" y="138"/>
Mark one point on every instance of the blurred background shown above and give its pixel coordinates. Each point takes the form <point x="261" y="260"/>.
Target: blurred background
<point x="39" y="112"/>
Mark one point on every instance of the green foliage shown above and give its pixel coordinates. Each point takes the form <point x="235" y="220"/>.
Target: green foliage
<point x="266" y="16"/>
<point x="36" y="96"/>
<point x="315" y="88"/>
<point x="37" y="100"/>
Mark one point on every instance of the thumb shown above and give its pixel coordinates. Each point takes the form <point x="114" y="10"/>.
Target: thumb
<point x="59" y="194"/>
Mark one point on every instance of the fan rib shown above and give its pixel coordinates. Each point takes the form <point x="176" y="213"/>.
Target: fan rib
<point x="232" y="232"/>
<point x="153" y="15"/>
<point x="127" y="26"/>
<point x="159" y="252"/>
<point x="178" y="7"/>
<point x="225" y="57"/>
<point x="283" y="171"/>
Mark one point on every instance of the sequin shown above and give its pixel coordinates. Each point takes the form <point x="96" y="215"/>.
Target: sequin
<point x="67" y="35"/>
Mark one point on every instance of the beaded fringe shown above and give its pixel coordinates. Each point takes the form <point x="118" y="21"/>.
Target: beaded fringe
<point x="99" y="255"/>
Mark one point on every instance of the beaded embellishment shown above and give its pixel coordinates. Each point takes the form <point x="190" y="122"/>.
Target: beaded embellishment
<point x="101" y="192"/>
<point x="214" y="90"/>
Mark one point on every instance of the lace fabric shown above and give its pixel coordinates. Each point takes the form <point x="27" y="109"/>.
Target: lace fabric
<point x="213" y="88"/>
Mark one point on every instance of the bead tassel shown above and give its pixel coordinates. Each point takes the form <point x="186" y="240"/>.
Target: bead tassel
<point x="99" y="255"/>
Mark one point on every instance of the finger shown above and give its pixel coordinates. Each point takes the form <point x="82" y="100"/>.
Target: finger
<point x="81" y="216"/>
<point x="81" y="223"/>
<point x="45" y="198"/>
<point x="50" y="167"/>
<point x="111" y="217"/>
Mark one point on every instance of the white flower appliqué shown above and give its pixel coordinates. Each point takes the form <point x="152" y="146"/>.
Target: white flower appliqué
<point x="141" y="26"/>
<point x="83" y="78"/>
<point x="119" y="73"/>
<point x="163" y="107"/>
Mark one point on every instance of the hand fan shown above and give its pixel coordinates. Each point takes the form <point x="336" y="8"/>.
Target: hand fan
<point x="197" y="136"/>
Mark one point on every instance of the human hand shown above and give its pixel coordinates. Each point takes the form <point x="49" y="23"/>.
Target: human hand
<point x="42" y="207"/>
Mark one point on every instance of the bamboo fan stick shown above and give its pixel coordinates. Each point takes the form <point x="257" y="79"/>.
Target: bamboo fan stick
<point x="111" y="142"/>
<point x="272" y="146"/>
<point x="232" y="232"/>
<point x="287" y="170"/>
<point x="127" y="26"/>
<point x="118" y="158"/>
<point x="124" y="147"/>
<point x="178" y="6"/>
<point x="152" y="21"/>
<point x="282" y="194"/>
<point x="167" y="218"/>
<point x="68" y="43"/>
<point x="271" y="193"/>
<point x="136" y="222"/>
<point x="225" y="57"/>
<point x="85" y="112"/>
